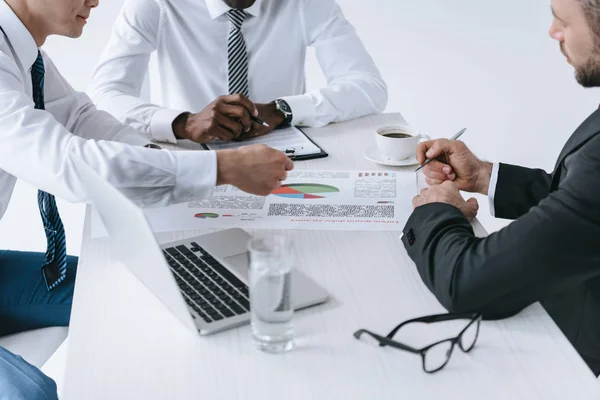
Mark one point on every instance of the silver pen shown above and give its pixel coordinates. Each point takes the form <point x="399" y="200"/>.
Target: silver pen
<point x="456" y="136"/>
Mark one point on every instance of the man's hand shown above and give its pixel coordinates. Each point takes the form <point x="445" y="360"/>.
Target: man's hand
<point x="225" y="118"/>
<point x="268" y="113"/>
<point x="454" y="162"/>
<point x="448" y="193"/>
<point x="257" y="169"/>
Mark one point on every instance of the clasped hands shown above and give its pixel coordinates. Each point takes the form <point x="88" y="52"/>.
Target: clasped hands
<point x="453" y="169"/>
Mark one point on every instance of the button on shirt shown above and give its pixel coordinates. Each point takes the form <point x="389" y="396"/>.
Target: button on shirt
<point x="190" y="41"/>
<point x="37" y="144"/>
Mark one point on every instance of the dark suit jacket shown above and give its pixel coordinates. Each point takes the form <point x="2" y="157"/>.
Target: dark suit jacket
<point x="550" y="253"/>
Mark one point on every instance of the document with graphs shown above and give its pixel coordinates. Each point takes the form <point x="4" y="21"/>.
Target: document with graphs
<point x="318" y="200"/>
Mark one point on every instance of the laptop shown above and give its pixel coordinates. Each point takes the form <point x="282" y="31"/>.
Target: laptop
<point x="202" y="280"/>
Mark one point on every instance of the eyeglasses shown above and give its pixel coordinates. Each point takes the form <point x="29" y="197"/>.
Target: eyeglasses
<point x="437" y="355"/>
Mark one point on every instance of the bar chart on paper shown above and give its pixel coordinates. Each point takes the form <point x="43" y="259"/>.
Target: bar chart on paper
<point x="306" y="191"/>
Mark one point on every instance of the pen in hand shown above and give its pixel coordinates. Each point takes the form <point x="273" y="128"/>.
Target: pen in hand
<point x="456" y="136"/>
<point x="259" y="121"/>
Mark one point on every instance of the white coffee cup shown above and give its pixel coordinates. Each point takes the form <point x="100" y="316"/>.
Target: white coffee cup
<point x="396" y="148"/>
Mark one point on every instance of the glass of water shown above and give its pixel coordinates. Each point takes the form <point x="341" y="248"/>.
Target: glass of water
<point x="271" y="264"/>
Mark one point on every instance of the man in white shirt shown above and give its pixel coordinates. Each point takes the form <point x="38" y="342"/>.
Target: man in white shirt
<point x="211" y="48"/>
<point x="43" y="122"/>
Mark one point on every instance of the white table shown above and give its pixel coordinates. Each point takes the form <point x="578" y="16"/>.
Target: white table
<point x="125" y="345"/>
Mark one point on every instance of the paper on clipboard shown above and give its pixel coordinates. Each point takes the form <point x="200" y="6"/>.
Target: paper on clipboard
<point x="291" y="141"/>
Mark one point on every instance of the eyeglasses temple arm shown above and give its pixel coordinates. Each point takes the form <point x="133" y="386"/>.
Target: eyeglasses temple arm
<point x="383" y="341"/>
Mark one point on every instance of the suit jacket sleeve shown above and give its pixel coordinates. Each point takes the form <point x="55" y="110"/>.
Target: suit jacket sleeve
<point x="518" y="189"/>
<point x="552" y="246"/>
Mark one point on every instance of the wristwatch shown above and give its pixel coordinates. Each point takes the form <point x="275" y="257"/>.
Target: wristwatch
<point x="283" y="107"/>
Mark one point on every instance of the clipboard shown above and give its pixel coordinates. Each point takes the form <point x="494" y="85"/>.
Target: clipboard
<point x="291" y="153"/>
<point x="294" y="153"/>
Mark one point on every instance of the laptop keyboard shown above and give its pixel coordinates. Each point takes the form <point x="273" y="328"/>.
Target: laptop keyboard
<point x="208" y="287"/>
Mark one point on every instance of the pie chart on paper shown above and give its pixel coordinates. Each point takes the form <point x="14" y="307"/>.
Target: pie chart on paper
<point x="306" y="191"/>
<point x="206" y="215"/>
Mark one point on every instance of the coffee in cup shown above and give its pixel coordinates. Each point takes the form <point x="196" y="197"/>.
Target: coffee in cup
<point x="398" y="142"/>
<point x="397" y="135"/>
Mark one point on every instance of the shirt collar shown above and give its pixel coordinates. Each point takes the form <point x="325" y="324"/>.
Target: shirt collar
<point x="19" y="37"/>
<point x="216" y="8"/>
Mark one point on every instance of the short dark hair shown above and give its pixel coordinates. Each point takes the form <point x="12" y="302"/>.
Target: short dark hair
<point x="591" y="8"/>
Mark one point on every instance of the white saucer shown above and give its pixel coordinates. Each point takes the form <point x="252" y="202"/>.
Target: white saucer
<point x="372" y="154"/>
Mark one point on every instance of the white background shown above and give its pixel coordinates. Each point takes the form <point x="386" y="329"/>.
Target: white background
<point x="485" y="65"/>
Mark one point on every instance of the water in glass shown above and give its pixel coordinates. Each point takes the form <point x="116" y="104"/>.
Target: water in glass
<point x="271" y="264"/>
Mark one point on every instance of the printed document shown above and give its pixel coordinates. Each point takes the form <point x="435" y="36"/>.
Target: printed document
<point x="318" y="200"/>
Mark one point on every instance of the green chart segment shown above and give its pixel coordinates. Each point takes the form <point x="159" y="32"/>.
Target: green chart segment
<point x="306" y="191"/>
<point x="206" y="215"/>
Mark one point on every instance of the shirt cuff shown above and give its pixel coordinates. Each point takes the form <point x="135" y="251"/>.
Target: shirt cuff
<point x="196" y="174"/>
<point x="161" y="125"/>
<point x="303" y="109"/>
<point x="492" y="187"/>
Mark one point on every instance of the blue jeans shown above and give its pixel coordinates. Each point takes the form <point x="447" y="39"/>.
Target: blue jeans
<point x="26" y="304"/>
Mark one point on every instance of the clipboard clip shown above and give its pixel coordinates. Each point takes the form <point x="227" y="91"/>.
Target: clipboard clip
<point x="292" y="151"/>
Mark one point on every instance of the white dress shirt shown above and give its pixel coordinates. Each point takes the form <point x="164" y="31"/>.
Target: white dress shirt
<point x="190" y="41"/>
<point x="37" y="144"/>
<point x="492" y="188"/>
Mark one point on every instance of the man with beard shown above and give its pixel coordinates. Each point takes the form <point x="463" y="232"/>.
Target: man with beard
<point x="210" y="53"/>
<point x="551" y="252"/>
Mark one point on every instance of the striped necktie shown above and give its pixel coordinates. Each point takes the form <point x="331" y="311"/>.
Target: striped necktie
<point x="236" y="54"/>
<point x="54" y="267"/>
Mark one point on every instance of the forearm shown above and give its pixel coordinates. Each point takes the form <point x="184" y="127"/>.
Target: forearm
<point x="86" y="121"/>
<point x="149" y="177"/>
<point x="354" y="84"/>
<point x="119" y="77"/>
<point x="504" y="272"/>
<point x="342" y="100"/>
<point x="76" y="112"/>
<point x="519" y="189"/>
<point x="179" y="126"/>
<point x="151" y="121"/>
<point x="451" y="264"/>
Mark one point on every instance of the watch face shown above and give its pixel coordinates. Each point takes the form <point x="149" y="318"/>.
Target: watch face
<point x="284" y="106"/>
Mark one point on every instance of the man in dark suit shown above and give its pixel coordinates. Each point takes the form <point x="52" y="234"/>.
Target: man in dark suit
<point x="551" y="252"/>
